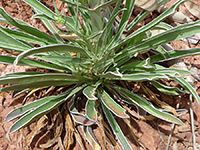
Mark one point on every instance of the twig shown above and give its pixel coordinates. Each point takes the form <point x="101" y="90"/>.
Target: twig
<point x="172" y="128"/>
<point x="192" y="124"/>
<point x="190" y="141"/>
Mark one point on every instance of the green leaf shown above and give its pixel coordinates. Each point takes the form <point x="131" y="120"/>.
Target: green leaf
<point x="75" y="4"/>
<point x="56" y="47"/>
<point x="38" y="78"/>
<point x="175" y="54"/>
<point x="142" y="76"/>
<point x="22" y="36"/>
<point x="137" y="19"/>
<point x="116" y="129"/>
<point x="19" y="74"/>
<point x="31" y="62"/>
<point x="42" y="8"/>
<point x="147" y="106"/>
<point x="129" y="5"/>
<point x="90" y="92"/>
<point x="106" y="31"/>
<point x="105" y="4"/>
<point x="167" y="89"/>
<point x="168" y="36"/>
<point x="163" y="25"/>
<point x="150" y="24"/>
<point x="90" y="109"/>
<point x="111" y="104"/>
<point x="28" y="107"/>
<point x="137" y="64"/>
<point x="27" y="28"/>
<point x="36" y="113"/>
<point x="159" y="39"/>
<point x="111" y="75"/>
<point x="188" y="87"/>
<point x="62" y="59"/>
<point x="33" y="85"/>
<point x="42" y="110"/>
<point x="49" y="26"/>
<point x="9" y="42"/>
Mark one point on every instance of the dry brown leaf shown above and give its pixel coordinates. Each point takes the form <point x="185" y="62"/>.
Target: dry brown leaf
<point x="193" y="8"/>
<point x="81" y="119"/>
<point x="102" y="138"/>
<point x="58" y="128"/>
<point x="90" y="137"/>
<point x="29" y="94"/>
<point x="79" y="139"/>
<point x="40" y="124"/>
<point x="148" y="5"/>
<point x="68" y="140"/>
<point x="134" y="114"/>
<point x="153" y="98"/>
<point x="60" y="144"/>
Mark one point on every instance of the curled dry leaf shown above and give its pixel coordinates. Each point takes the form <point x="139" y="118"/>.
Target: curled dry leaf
<point x="68" y="140"/>
<point x="57" y="131"/>
<point x="193" y="8"/>
<point x="40" y="124"/>
<point x="148" y="5"/>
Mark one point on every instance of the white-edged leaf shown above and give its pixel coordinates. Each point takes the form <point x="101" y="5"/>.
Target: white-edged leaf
<point x="116" y="129"/>
<point x="110" y="103"/>
<point x="134" y="99"/>
<point x="188" y="87"/>
<point x="56" y="47"/>
<point x="90" y="109"/>
<point x="90" y="92"/>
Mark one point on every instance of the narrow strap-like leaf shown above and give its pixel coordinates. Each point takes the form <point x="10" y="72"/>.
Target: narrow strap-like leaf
<point x="175" y="54"/>
<point x="159" y="39"/>
<point x="40" y="7"/>
<point x="151" y="24"/>
<point x="147" y="106"/>
<point x="28" y="107"/>
<point x="57" y="47"/>
<point x="38" y="78"/>
<point x="43" y="109"/>
<point x="188" y="87"/>
<point x="129" y="5"/>
<point x="27" y="28"/>
<point x="111" y="104"/>
<point x="36" y="113"/>
<point x="90" y="92"/>
<point x="34" y="85"/>
<point x="167" y="89"/>
<point x="116" y="129"/>
<point x="31" y="62"/>
<point x="50" y="28"/>
<point x="9" y="42"/>
<point x="23" y="36"/>
<point x="90" y="109"/>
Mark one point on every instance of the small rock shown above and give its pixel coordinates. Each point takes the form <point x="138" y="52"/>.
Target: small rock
<point x="180" y="17"/>
<point x="175" y="146"/>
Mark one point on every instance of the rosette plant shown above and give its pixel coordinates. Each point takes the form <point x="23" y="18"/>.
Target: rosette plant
<point x="91" y="72"/>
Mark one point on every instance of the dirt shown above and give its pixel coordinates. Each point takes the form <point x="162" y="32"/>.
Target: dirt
<point x="152" y="134"/>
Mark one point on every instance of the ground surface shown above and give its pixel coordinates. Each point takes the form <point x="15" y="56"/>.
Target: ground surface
<point x="152" y="134"/>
